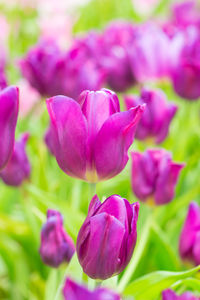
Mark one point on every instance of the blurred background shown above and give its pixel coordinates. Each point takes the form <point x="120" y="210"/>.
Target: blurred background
<point x="24" y="23"/>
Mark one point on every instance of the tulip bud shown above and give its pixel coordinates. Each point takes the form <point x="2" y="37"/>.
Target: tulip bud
<point x="189" y="243"/>
<point x="56" y="245"/>
<point x="91" y="139"/>
<point x="154" y="176"/>
<point x="170" y="295"/>
<point x="108" y="236"/>
<point x="74" y="291"/>
<point x="18" y="167"/>
<point x="154" y="122"/>
<point x="9" y="106"/>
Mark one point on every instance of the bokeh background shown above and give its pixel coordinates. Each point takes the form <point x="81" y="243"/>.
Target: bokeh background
<point x="22" y="210"/>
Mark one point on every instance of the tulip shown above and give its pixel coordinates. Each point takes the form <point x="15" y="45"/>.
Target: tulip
<point x="3" y="80"/>
<point x="53" y="72"/>
<point x="107" y="237"/>
<point x="185" y="14"/>
<point x="185" y="73"/>
<point x="115" y="59"/>
<point x="9" y="106"/>
<point x="189" y="243"/>
<point x="91" y="138"/>
<point x="74" y="291"/>
<point x="154" y="176"/>
<point x="18" y="167"/>
<point x="149" y="53"/>
<point x="49" y="141"/>
<point x="170" y="295"/>
<point x="56" y="245"/>
<point x="154" y="122"/>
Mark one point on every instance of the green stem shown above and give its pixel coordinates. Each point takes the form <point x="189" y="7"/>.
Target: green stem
<point x="137" y="255"/>
<point x="92" y="189"/>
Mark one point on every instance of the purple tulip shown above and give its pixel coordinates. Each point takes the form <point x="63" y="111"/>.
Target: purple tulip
<point x="170" y="295"/>
<point x="189" y="243"/>
<point x="74" y="291"/>
<point x="91" y="140"/>
<point x="18" y="167"/>
<point x="53" y="72"/>
<point x="3" y="80"/>
<point x="49" y="141"/>
<point x="115" y="42"/>
<point x="9" y="107"/>
<point x="185" y="14"/>
<point x="185" y="73"/>
<point x="149" y="53"/>
<point x="154" y="175"/>
<point x="157" y="116"/>
<point x="108" y="236"/>
<point x="56" y="245"/>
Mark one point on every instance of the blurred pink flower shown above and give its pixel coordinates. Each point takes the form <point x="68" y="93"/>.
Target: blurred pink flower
<point x="28" y="97"/>
<point x="4" y="34"/>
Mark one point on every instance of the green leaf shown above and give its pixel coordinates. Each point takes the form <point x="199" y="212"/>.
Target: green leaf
<point x="150" y="286"/>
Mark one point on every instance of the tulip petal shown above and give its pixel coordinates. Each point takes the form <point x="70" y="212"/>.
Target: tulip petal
<point x="9" y="106"/>
<point x="106" y="233"/>
<point x="169" y="295"/>
<point x="188" y="234"/>
<point x="74" y="291"/>
<point x="166" y="182"/>
<point x="69" y="131"/>
<point x="114" y="140"/>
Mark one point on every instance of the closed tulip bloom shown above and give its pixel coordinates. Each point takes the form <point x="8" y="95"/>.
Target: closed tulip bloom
<point x="91" y="138"/>
<point x="18" y="167"/>
<point x="115" y="59"/>
<point x="149" y="53"/>
<point x="157" y="116"/>
<point x="189" y="243"/>
<point x="108" y="236"/>
<point x="54" y="72"/>
<point x="170" y="295"/>
<point x="9" y="107"/>
<point x="154" y="176"/>
<point x="56" y="245"/>
<point x="185" y="73"/>
<point x="75" y="291"/>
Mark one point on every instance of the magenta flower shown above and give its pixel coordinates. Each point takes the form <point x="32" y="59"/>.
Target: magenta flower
<point x="56" y="245"/>
<point x="3" y="80"/>
<point x="185" y="72"/>
<point x="91" y="140"/>
<point x="74" y="291"/>
<point x="157" y="116"/>
<point x="149" y="53"/>
<point x="170" y="295"/>
<point x="154" y="176"/>
<point x="115" y="59"/>
<point x="9" y="106"/>
<point x="108" y="236"/>
<point x="185" y="14"/>
<point x="18" y="167"/>
<point x="53" y="72"/>
<point x="189" y="243"/>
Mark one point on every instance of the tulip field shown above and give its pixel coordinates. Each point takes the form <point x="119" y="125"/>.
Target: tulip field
<point x="99" y="150"/>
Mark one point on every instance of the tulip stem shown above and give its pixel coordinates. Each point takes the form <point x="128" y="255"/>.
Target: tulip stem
<point x="144" y="237"/>
<point x="92" y="189"/>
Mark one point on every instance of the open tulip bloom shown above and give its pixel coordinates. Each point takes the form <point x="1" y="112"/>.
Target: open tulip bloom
<point x="91" y="138"/>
